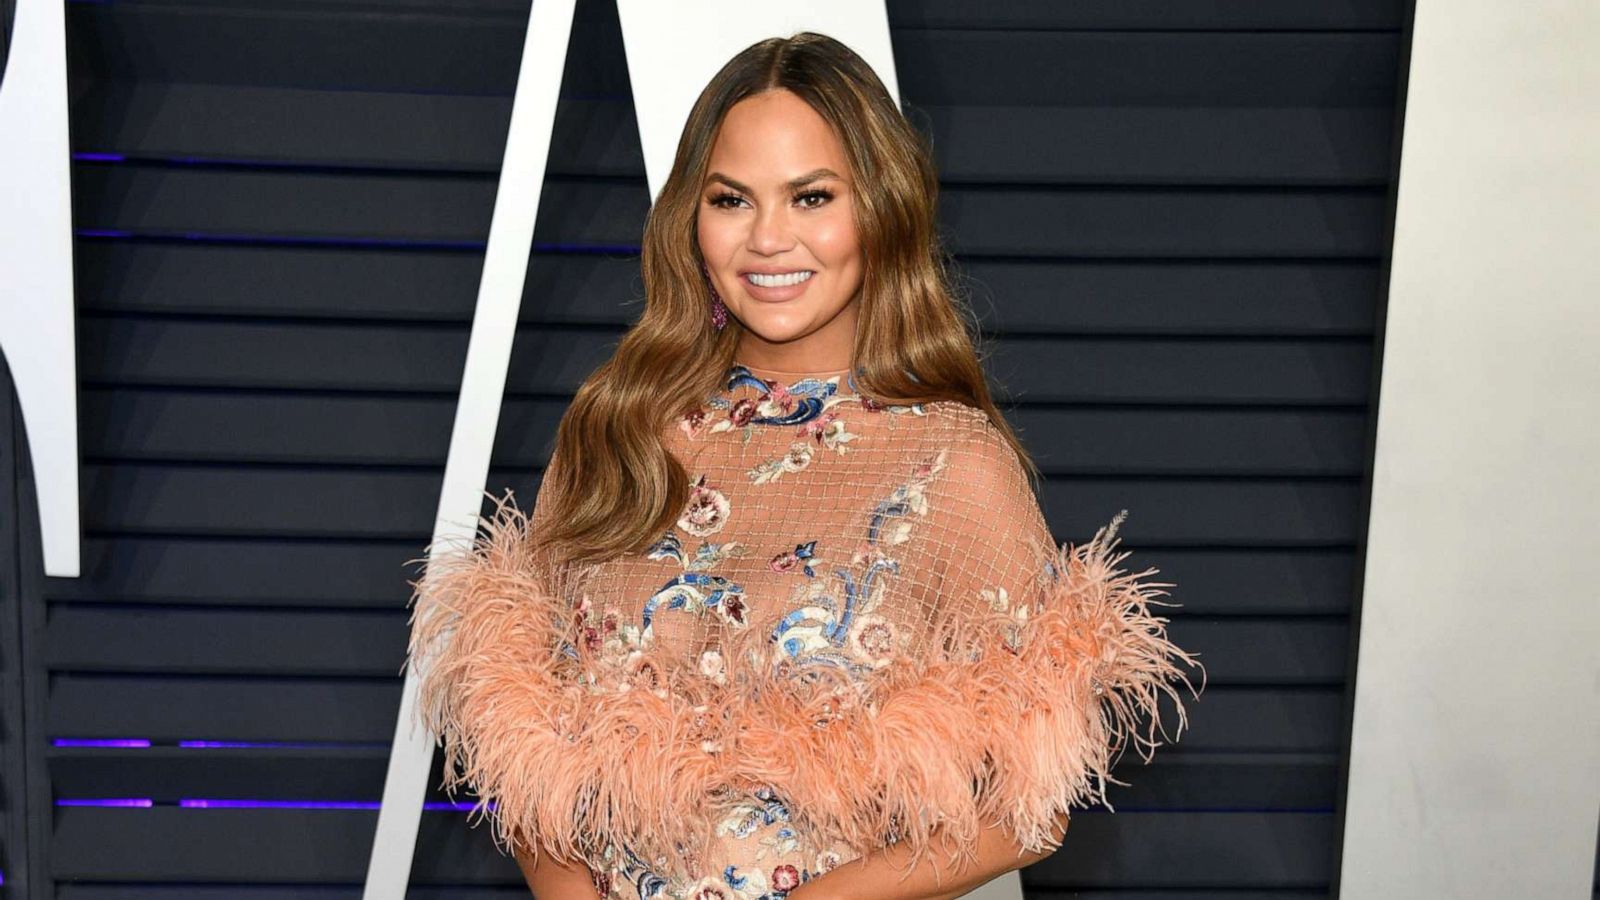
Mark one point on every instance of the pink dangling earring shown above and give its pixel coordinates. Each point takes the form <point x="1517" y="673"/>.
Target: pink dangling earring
<point x="719" y="311"/>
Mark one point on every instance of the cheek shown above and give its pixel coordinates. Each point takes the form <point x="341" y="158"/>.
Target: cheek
<point x="718" y="238"/>
<point x="834" y="242"/>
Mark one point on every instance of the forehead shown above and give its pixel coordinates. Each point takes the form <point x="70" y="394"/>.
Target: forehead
<point x="774" y="136"/>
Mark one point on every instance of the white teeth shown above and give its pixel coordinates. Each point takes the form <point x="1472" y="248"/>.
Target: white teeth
<point x="777" y="280"/>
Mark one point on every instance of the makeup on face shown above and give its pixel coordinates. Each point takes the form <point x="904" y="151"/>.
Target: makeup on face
<point x="777" y="229"/>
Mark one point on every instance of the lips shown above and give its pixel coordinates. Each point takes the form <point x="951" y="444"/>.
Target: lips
<point x="744" y="272"/>
<point x="776" y="293"/>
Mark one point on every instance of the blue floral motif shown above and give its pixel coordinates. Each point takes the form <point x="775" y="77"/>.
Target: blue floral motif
<point x="820" y="632"/>
<point x="810" y="395"/>
<point x="695" y="589"/>
<point x="764" y="818"/>
<point x="697" y="592"/>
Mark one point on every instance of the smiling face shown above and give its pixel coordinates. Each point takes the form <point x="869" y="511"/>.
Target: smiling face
<point x="775" y="206"/>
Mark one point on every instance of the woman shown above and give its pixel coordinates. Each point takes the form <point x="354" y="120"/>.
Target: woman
<point x="786" y="615"/>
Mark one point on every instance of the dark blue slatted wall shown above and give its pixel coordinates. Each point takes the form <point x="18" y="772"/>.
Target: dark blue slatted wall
<point x="1171" y="216"/>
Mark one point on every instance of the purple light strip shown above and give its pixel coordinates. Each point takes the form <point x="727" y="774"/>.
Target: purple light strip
<point x="277" y="745"/>
<point x="111" y="801"/>
<point x="146" y="743"/>
<point x="199" y="803"/>
<point x="214" y="803"/>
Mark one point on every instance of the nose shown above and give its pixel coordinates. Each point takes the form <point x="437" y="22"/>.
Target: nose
<point x="770" y="233"/>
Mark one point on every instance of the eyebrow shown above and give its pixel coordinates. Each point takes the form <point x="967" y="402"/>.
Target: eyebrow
<point x="802" y="181"/>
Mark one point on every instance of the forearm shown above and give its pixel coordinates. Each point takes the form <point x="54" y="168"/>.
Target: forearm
<point x="551" y="879"/>
<point x="882" y="875"/>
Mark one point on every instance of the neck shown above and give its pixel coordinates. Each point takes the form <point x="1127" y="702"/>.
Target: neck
<point x="793" y="369"/>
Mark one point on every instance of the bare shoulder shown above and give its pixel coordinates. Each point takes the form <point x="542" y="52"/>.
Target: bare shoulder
<point x="978" y="456"/>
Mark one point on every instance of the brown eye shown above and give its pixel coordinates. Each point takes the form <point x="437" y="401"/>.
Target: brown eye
<point x="824" y="195"/>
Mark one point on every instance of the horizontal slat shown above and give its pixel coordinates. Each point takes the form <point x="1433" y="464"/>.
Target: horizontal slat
<point x="222" y="709"/>
<point x="344" y="282"/>
<point x="366" y="574"/>
<point x="1059" y="296"/>
<point x="180" y="201"/>
<point x="1032" y="221"/>
<point x="159" y="425"/>
<point x="354" y="48"/>
<point x="158" y="499"/>
<point x="185" y="353"/>
<point x="377" y="129"/>
<point x="205" y="570"/>
<point x="172" y="708"/>
<point x="1315" y="145"/>
<point x="1222" y="297"/>
<point x="1030" y="14"/>
<point x="1254" y="15"/>
<point x="1157" y="145"/>
<point x="1038" y="222"/>
<point x="1126" y="849"/>
<point x="1175" y="778"/>
<point x="271" y="846"/>
<point x="111" y="639"/>
<point x="1133" y="68"/>
<point x="230" y="641"/>
<point x="479" y="55"/>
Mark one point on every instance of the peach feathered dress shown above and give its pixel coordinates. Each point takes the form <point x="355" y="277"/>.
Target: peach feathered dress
<point x="859" y="630"/>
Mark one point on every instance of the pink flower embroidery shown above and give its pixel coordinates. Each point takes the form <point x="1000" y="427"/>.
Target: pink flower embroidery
<point x="693" y="423"/>
<point x="778" y="398"/>
<point x="816" y="426"/>
<point x="743" y="411"/>
<point x="706" y="512"/>
<point x="873" y="639"/>
<point x="785" y="878"/>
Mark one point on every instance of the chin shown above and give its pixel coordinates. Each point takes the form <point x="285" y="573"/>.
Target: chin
<point x="777" y="326"/>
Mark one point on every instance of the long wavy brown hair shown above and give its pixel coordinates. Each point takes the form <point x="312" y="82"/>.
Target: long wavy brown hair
<point x="611" y="486"/>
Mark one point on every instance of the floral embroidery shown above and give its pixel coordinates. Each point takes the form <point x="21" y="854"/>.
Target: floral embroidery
<point x="829" y="431"/>
<point x="785" y="562"/>
<point x="798" y="457"/>
<point x="766" y="821"/>
<point x="826" y="861"/>
<point x="835" y="615"/>
<point x="822" y="631"/>
<point x="708" y="554"/>
<point x="695" y="590"/>
<point x="804" y="402"/>
<point x="693" y="422"/>
<point x="714" y="667"/>
<point x="778" y="403"/>
<point x="706" y="511"/>
<point x="874" y="639"/>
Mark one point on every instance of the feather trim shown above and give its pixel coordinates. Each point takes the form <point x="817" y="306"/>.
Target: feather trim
<point x="1014" y="719"/>
<point x="1005" y="717"/>
<point x="520" y="727"/>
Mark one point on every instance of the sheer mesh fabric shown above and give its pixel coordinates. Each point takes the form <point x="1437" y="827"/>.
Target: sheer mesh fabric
<point x="859" y="631"/>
